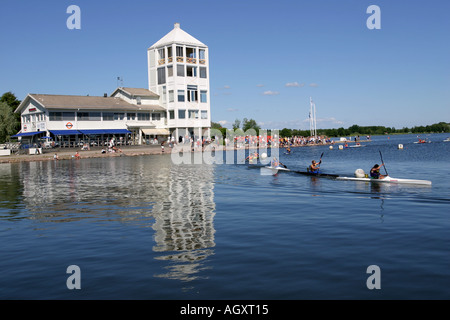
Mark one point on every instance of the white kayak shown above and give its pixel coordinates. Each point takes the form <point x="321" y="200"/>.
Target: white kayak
<point x="387" y="179"/>
<point x="269" y="170"/>
<point x="357" y="146"/>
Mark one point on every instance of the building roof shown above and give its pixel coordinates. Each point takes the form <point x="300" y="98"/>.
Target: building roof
<point x="179" y="36"/>
<point x="137" y="92"/>
<point x="50" y="101"/>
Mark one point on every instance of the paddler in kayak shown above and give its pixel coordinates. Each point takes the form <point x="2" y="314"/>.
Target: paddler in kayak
<point x="253" y="156"/>
<point x="275" y="163"/>
<point x="375" y="172"/>
<point x="314" y="167"/>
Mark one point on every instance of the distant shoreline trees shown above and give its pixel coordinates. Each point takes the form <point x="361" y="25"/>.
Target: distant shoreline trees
<point x="354" y="130"/>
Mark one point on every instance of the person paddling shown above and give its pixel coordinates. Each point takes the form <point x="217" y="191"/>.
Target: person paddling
<point x="314" y="167"/>
<point x="375" y="172"/>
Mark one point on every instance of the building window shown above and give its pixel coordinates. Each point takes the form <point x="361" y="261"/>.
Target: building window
<point x="191" y="71"/>
<point x="169" y="52"/>
<point x="95" y="116"/>
<point x="180" y="95"/>
<point x="204" y="114"/>
<point x="190" y="52"/>
<point x="192" y="93"/>
<point x="156" y="116"/>
<point x="164" y="94"/>
<point x="138" y="100"/>
<point x="108" y="116"/>
<point x="171" y="97"/>
<point x="171" y="114"/>
<point x="144" y="116"/>
<point x="202" y="54"/>
<point x="203" y="96"/>
<point x="161" y="75"/>
<point x="131" y="116"/>
<point x="161" y="53"/>
<point x="82" y="116"/>
<point x="180" y="70"/>
<point x="203" y="72"/>
<point x="170" y="71"/>
<point x="54" y="116"/>
<point x="181" y="114"/>
<point x="193" y="114"/>
<point x="68" y="116"/>
<point x="180" y="53"/>
<point x="119" y="116"/>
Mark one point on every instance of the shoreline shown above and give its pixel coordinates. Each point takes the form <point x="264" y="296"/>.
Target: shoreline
<point x="68" y="154"/>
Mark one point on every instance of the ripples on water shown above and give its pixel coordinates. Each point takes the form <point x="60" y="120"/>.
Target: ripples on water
<point x="143" y="228"/>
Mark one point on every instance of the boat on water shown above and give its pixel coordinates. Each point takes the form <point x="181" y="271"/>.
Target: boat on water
<point x="316" y="174"/>
<point x="270" y="170"/>
<point x="447" y="140"/>
<point x="387" y="179"/>
<point x="422" y="141"/>
<point x="357" y="146"/>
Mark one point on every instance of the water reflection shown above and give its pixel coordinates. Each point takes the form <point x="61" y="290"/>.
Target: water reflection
<point x="177" y="201"/>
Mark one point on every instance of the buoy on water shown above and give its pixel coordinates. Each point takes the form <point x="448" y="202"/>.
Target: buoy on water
<point x="400" y="146"/>
<point x="263" y="155"/>
<point x="341" y="147"/>
<point x="331" y="147"/>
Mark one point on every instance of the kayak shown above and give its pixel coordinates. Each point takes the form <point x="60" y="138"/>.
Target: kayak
<point x="357" y="146"/>
<point x="320" y="174"/>
<point x="387" y="180"/>
<point x="269" y="170"/>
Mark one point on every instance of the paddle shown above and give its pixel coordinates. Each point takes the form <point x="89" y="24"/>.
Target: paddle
<point x="320" y="160"/>
<point x="383" y="163"/>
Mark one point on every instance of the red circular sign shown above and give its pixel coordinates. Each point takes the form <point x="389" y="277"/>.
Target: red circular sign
<point x="69" y="125"/>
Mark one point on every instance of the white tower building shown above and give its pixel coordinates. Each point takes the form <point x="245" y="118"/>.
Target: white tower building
<point x="178" y="70"/>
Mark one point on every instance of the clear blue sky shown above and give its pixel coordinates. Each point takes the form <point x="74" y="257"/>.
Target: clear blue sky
<point x="396" y="76"/>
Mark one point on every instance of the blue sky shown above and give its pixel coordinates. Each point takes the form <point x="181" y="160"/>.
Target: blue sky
<point x="266" y="57"/>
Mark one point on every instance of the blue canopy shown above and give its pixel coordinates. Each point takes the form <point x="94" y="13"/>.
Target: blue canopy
<point x="25" y="134"/>
<point x="65" y="132"/>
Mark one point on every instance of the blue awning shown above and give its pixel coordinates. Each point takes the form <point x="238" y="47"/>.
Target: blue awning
<point x="88" y="132"/>
<point x="105" y="131"/>
<point x="25" y="134"/>
<point x="118" y="131"/>
<point x="65" y="132"/>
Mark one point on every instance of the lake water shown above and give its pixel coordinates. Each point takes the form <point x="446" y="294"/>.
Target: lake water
<point x="144" y="228"/>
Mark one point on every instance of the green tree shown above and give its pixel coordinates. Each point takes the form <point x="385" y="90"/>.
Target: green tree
<point x="250" y="124"/>
<point x="236" y="124"/>
<point x="215" y="125"/>
<point x="285" y="132"/>
<point x="11" y="100"/>
<point x="7" y="122"/>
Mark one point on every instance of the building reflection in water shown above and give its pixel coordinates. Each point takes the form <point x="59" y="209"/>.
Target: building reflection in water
<point x="184" y="222"/>
<point x="176" y="200"/>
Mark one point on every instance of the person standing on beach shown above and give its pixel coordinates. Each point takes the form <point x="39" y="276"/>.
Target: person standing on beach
<point x="55" y="157"/>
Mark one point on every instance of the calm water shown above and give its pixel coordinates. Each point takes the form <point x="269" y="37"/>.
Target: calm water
<point x="144" y="228"/>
